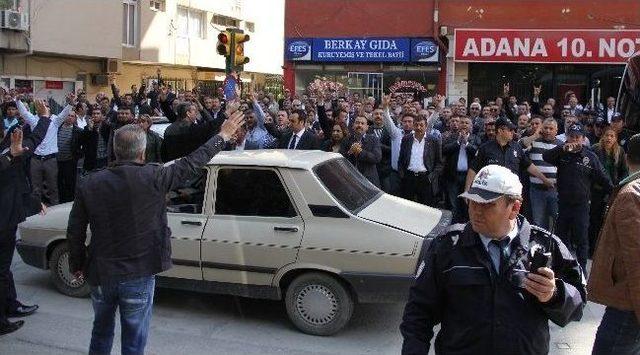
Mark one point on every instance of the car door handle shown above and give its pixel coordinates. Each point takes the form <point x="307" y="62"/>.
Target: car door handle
<point x="286" y="229"/>
<point x="191" y="223"/>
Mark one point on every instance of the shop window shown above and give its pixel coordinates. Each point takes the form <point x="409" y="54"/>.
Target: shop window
<point x="157" y="5"/>
<point x="129" y="22"/>
<point x="225" y="21"/>
<point x="190" y="23"/>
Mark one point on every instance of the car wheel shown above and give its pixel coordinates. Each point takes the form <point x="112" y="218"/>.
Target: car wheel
<point x="318" y="304"/>
<point x="62" y="277"/>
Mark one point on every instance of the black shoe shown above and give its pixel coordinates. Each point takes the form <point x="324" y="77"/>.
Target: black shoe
<point x="10" y="327"/>
<point x="22" y="311"/>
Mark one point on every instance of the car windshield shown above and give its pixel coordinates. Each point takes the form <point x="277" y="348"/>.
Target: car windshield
<point x="346" y="184"/>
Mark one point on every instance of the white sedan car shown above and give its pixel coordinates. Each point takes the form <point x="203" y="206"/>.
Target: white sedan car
<point x="300" y="226"/>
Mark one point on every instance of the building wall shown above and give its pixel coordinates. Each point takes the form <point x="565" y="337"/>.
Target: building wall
<point x="335" y="18"/>
<point x="551" y="14"/>
<point x="91" y="28"/>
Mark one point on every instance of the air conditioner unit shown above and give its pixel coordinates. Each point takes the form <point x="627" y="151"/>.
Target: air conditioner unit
<point x="113" y="66"/>
<point x="15" y="20"/>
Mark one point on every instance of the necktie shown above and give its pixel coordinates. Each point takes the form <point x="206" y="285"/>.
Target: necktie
<point x="292" y="145"/>
<point x="499" y="252"/>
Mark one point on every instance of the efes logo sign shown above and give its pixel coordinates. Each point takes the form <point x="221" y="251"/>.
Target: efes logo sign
<point x="424" y="50"/>
<point x="298" y="49"/>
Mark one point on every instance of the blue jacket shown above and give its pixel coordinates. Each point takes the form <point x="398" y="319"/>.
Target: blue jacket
<point x="480" y="311"/>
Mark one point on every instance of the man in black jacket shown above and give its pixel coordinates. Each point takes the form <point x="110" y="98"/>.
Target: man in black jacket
<point x="95" y="139"/>
<point x="125" y="208"/>
<point x="15" y="205"/>
<point x="458" y="151"/>
<point x="420" y="164"/>
<point x="479" y="282"/>
<point x="363" y="150"/>
<point x="296" y="136"/>
<point x="183" y="136"/>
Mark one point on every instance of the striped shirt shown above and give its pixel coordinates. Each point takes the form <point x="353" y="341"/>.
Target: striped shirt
<point x="538" y="147"/>
<point x="65" y="135"/>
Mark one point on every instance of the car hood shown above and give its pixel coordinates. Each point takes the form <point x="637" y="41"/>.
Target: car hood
<point x="57" y="218"/>
<point x="402" y="214"/>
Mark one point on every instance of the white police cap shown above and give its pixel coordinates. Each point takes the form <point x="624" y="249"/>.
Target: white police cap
<point x="493" y="182"/>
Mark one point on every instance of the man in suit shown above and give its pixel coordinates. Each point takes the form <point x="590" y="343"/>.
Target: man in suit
<point x="420" y="164"/>
<point x="125" y="208"/>
<point x="363" y="150"/>
<point x="458" y="150"/>
<point x="296" y="136"/>
<point x="15" y="200"/>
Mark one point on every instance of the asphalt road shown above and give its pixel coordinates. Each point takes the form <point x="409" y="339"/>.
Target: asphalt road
<point x="192" y="323"/>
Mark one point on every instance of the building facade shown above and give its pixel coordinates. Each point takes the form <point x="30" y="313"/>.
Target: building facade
<point x="585" y="43"/>
<point x="73" y="44"/>
<point x="367" y="46"/>
<point x="562" y="46"/>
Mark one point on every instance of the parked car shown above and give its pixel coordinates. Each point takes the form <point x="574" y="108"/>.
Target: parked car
<point x="300" y="226"/>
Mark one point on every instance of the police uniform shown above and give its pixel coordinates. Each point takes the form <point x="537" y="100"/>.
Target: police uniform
<point x="482" y="305"/>
<point x="510" y="156"/>
<point x="577" y="172"/>
<point x="480" y="310"/>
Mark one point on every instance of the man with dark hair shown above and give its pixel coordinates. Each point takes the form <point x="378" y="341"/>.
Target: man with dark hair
<point x="420" y="164"/>
<point x="11" y="116"/>
<point x="95" y="138"/>
<point x="363" y="150"/>
<point x="615" y="273"/>
<point x="296" y="136"/>
<point x="127" y="252"/>
<point x="15" y="206"/>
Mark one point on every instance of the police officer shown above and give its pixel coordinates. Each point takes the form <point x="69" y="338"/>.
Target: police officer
<point x="504" y="151"/>
<point x="479" y="280"/>
<point x="14" y="203"/>
<point x="578" y="169"/>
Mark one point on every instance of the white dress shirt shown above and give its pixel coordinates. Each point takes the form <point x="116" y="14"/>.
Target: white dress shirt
<point x="416" y="163"/>
<point x="463" y="161"/>
<point x="49" y="144"/>
<point x="610" y="112"/>
<point x="298" y="135"/>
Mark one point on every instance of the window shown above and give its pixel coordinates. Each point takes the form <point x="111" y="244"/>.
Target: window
<point x="129" y="22"/>
<point x="225" y="21"/>
<point x="250" y="26"/>
<point x="189" y="197"/>
<point x="190" y="23"/>
<point x="346" y="184"/>
<point x="157" y="5"/>
<point x="252" y="192"/>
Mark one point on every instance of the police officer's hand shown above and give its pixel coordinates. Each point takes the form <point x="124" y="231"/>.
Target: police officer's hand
<point x="541" y="284"/>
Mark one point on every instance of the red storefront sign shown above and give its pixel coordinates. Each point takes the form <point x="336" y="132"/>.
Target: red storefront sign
<point x="546" y="46"/>
<point x="55" y="85"/>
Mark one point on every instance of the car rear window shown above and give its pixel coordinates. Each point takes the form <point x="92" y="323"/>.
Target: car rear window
<point x="346" y="184"/>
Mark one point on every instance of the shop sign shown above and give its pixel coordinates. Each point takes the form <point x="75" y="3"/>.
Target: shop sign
<point x="298" y="49"/>
<point x="53" y="85"/>
<point x="424" y="50"/>
<point x="361" y="50"/>
<point x="546" y="46"/>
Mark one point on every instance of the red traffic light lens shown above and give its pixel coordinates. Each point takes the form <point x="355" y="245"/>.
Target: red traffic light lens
<point x="222" y="37"/>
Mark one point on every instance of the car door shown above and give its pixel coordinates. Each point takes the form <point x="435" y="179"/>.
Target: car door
<point x="255" y="228"/>
<point x="187" y="220"/>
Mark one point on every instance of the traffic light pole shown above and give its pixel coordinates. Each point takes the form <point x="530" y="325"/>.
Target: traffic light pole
<point x="229" y="67"/>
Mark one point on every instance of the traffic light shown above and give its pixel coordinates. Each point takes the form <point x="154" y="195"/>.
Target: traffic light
<point x="224" y="44"/>
<point x="239" y="59"/>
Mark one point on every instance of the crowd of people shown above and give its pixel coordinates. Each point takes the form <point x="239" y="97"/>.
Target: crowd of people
<point x="567" y="156"/>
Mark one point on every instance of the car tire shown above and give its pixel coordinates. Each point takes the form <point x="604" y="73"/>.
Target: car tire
<point x="61" y="276"/>
<point x="318" y="304"/>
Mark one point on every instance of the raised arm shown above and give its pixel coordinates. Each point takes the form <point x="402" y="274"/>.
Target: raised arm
<point x="29" y="118"/>
<point x="393" y="130"/>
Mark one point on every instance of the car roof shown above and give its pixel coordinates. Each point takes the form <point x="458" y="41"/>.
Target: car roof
<point x="284" y="158"/>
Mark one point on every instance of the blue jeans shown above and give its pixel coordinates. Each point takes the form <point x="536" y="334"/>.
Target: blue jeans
<point x="618" y="333"/>
<point x="544" y="204"/>
<point x="135" y="300"/>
